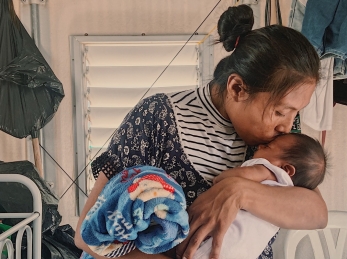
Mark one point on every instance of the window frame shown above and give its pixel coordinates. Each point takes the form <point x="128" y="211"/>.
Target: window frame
<point x="78" y="45"/>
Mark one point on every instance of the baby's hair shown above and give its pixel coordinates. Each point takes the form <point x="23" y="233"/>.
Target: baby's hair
<point x="309" y="159"/>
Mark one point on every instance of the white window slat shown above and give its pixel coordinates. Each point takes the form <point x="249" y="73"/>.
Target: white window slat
<point x="141" y="77"/>
<point x="98" y="137"/>
<point x="106" y="117"/>
<point x="94" y="151"/>
<point x="143" y="55"/>
<point x="122" y="97"/>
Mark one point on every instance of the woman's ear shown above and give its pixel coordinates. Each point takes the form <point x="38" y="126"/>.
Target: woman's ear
<point x="236" y="88"/>
<point x="290" y="169"/>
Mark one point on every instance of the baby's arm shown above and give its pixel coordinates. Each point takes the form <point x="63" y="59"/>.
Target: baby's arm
<point x="257" y="173"/>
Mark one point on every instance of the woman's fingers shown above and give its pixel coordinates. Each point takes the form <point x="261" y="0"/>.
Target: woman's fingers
<point x="198" y="231"/>
<point x="217" y="241"/>
<point x="219" y="178"/>
<point x="210" y="215"/>
<point x="199" y="236"/>
<point x="224" y="174"/>
<point x="194" y="242"/>
<point x="193" y="227"/>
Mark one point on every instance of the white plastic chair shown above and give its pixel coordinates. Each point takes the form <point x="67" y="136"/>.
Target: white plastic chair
<point x="336" y="220"/>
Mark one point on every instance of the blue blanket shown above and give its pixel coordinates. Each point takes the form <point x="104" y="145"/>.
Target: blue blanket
<point x="140" y="207"/>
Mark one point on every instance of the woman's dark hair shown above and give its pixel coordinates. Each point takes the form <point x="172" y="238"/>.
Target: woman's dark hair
<point x="309" y="159"/>
<point x="272" y="59"/>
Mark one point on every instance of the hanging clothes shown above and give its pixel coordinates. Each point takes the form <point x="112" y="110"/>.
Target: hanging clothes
<point x="296" y="15"/>
<point x="325" y="26"/>
<point x="324" y="23"/>
<point x="318" y="114"/>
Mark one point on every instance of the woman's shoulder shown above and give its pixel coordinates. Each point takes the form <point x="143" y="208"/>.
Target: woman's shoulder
<point x="167" y="100"/>
<point x="155" y="108"/>
<point x="159" y="99"/>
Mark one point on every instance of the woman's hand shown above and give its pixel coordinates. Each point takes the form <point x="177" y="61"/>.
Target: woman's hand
<point x="93" y="196"/>
<point x="210" y="216"/>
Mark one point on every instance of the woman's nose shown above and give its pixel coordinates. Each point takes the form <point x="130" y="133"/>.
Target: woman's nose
<point x="285" y="126"/>
<point x="260" y="146"/>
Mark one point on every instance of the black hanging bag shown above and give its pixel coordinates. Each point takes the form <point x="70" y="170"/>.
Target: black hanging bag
<point x="340" y="91"/>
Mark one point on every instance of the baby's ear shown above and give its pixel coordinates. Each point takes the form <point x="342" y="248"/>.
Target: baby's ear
<point x="290" y="169"/>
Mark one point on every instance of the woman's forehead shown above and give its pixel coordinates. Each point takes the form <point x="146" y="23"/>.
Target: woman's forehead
<point x="298" y="97"/>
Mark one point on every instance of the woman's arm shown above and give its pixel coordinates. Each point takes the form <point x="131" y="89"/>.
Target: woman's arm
<point x="93" y="196"/>
<point x="213" y="211"/>
<point x="286" y="207"/>
<point x="256" y="173"/>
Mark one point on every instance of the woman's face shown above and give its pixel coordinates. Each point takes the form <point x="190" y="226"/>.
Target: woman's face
<point x="258" y="122"/>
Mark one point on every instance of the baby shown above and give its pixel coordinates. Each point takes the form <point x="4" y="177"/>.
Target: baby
<point x="299" y="155"/>
<point x="290" y="159"/>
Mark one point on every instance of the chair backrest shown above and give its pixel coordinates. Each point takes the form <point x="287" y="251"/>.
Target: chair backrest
<point x="336" y="220"/>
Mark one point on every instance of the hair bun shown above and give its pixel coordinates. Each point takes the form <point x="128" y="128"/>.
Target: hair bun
<point x="234" y="22"/>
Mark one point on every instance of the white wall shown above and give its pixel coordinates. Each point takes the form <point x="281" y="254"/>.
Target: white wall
<point x="62" y="18"/>
<point x="59" y="20"/>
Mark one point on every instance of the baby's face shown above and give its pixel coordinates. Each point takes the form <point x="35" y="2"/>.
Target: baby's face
<point x="273" y="150"/>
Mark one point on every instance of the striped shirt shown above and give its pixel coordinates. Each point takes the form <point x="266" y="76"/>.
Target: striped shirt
<point x="209" y="140"/>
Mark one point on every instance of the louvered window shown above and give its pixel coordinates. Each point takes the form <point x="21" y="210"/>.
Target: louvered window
<point x="112" y="73"/>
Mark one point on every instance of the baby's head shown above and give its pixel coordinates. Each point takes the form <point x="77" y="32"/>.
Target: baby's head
<point x="301" y="156"/>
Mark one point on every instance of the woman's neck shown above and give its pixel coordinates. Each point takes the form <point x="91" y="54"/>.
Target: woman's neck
<point x="218" y="100"/>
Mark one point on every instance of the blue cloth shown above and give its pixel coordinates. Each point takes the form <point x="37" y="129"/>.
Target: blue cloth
<point x="325" y="26"/>
<point x="324" y="23"/>
<point x="142" y="204"/>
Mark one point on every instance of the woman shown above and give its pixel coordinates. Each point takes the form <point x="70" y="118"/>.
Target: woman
<point x="194" y="135"/>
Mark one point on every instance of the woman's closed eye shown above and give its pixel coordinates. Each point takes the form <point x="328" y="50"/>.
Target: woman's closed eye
<point x="277" y="113"/>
